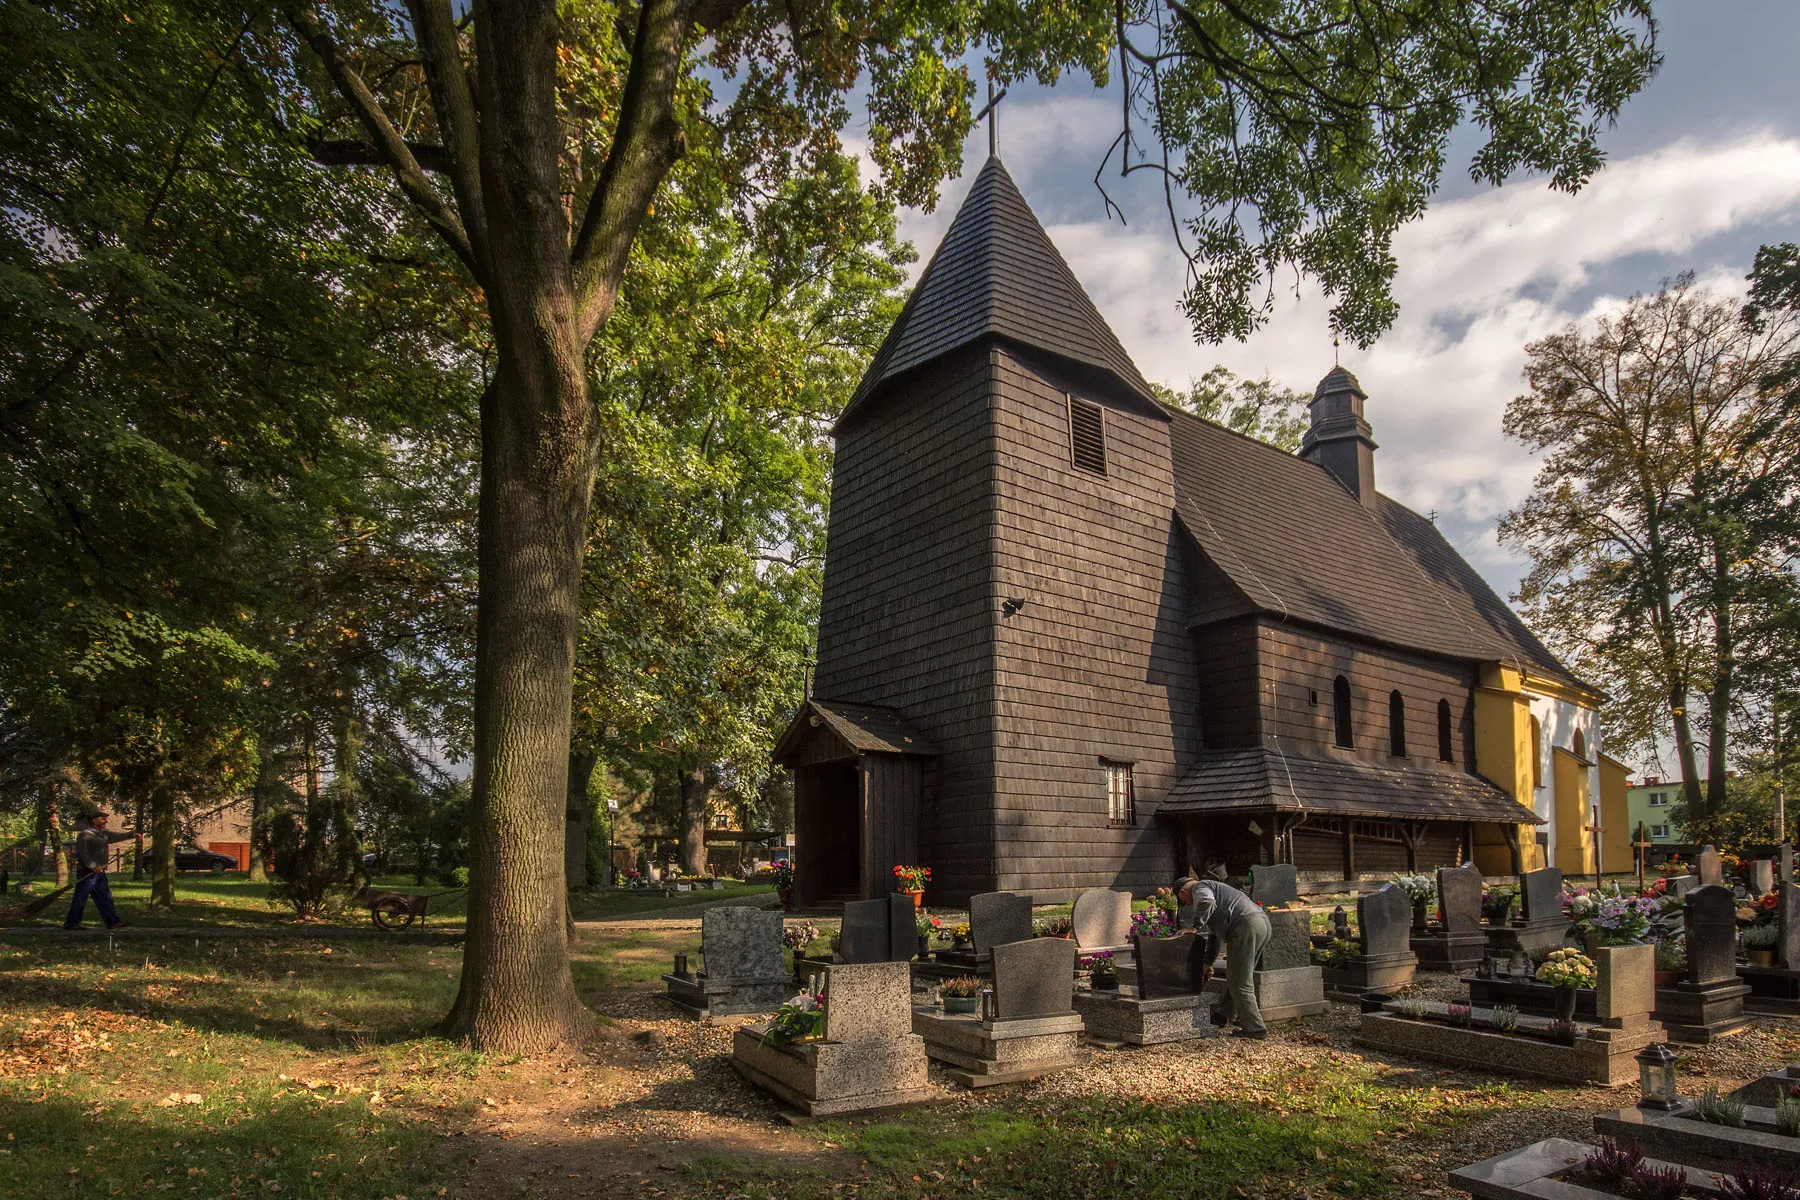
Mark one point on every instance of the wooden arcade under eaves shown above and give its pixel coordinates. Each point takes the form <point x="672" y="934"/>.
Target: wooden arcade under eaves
<point x="1071" y="637"/>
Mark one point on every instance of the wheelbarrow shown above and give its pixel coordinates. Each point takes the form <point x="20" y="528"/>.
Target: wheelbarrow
<point x="394" y="911"/>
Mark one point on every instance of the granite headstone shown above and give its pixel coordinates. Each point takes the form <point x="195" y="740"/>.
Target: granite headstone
<point x="1711" y="869"/>
<point x="1273" y="884"/>
<point x="1385" y="918"/>
<point x="1710" y="915"/>
<point x="1102" y="919"/>
<point x="879" y="930"/>
<point x="1171" y="966"/>
<point x="740" y="942"/>
<point x="1540" y="895"/>
<point x="1290" y="940"/>
<point x="1459" y="898"/>
<point x="1034" y="978"/>
<point x="868" y="1002"/>
<point x="1787" y="909"/>
<point x="997" y="918"/>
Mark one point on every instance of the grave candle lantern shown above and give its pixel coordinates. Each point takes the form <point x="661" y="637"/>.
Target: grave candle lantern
<point x="1656" y="1077"/>
<point x="681" y="967"/>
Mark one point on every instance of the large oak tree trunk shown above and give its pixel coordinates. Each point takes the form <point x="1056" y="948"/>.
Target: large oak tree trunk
<point x="578" y="818"/>
<point x="693" y="820"/>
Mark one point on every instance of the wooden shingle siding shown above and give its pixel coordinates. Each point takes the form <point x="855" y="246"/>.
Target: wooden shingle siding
<point x="1230" y="704"/>
<point x="904" y="618"/>
<point x="1098" y="664"/>
<point x="1295" y="661"/>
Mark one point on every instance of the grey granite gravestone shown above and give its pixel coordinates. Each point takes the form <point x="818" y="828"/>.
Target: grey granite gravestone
<point x="1784" y="861"/>
<point x="1273" y="884"/>
<point x="1625" y="985"/>
<point x="1386" y="961"/>
<point x="1711" y="870"/>
<point x="868" y="1058"/>
<point x="1708" y="1003"/>
<point x="1541" y="923"/>
<point x="1457" y="940"/>
<point x="743" y="970"/>
<point x="1762" y="877"/>
<point x="1385" y="918"/>
<point x="1540" y="895"/>
<point x="1171" y="966"/>
<point x="1288" y="985"/>
<point x="1031" y="1029"/>
<point x="1102" y="919"/>
<point x="996" y="918"/>
<point x="1787" y="911"/>
<point x="1034" y="978"/>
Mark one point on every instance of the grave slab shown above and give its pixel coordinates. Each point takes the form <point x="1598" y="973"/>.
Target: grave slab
<point x="1386" y="961"/>
<point x="1708" y="1003"/>
<point x="1456" y="941"/>
<point x="1032" y="1028"/>
<point x="1541" y="925"/>
<point x="1123" y="1017"/>
<point x="1535" y="1172"/>
<point x="743" y="971"/>
<point x="1607" y="1059"/>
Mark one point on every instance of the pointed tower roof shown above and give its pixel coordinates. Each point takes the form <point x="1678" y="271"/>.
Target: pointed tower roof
<point x="997" y="273"/>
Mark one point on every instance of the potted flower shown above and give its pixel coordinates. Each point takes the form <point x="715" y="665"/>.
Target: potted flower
<point x="1103" y="972"/>
<point x="926" y="926"/>
<point x="1758" y="942"/>
<point x="1421" y="890"/>
<point x="1565" y="970"/>
<point x="783" y="873"/>
<point x="1056" y="927"/>
<point x="800" y="1018"/>
<point x="911" y="881"/>
<point x="1607" y="920"/>
<point x="960" y="935"/>
<point x="1671" y="962"/>
<point x="1153" y="922"/>
<point x="1496" y="904"/>
<point x="962" y="994"/>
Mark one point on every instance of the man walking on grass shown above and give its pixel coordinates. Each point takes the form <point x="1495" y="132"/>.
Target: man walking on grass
<point x="93" y="846"/>
<point x="1238" y="924"/>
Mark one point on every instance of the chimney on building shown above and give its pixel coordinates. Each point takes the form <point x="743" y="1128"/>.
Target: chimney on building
<point x="1339" y="438"/>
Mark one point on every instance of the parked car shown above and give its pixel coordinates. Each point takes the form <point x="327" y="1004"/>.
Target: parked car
<point x="192" y="858"/>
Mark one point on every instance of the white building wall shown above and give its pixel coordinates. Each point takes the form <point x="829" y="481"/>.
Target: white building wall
<point x="1559" y="720"/>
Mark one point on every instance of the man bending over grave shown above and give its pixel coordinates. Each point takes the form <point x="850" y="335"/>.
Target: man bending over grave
<point x="1242" y="928"/>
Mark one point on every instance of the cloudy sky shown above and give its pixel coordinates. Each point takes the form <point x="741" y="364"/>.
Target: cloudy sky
<point x="1702" y="168"/>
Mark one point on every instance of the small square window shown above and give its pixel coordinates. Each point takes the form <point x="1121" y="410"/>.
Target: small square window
<point x="1658" y="799"/>
<point x="1121" y="801"/>
<point x="1659" y="831"/>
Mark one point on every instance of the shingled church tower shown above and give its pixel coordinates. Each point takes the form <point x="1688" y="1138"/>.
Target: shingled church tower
<point x="998" y="589"/>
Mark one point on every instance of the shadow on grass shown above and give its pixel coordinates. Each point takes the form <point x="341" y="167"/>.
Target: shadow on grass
<point x="76" y="1140"/>
<point x="312" y="997"/>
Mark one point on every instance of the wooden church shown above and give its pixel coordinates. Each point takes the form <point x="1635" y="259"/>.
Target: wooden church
<point x="1071" y="637"/>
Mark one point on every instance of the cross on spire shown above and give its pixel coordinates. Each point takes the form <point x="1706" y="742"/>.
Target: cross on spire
<point x="993" y="102"/>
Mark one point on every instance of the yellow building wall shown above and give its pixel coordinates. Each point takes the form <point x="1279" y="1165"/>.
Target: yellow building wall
<point x="1503" y="756"/>
<point x="1574" y="844"/>
<point x="1615" y="815"/>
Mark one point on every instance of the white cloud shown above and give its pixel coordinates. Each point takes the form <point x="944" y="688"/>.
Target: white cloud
<point x="1479" y="278"/>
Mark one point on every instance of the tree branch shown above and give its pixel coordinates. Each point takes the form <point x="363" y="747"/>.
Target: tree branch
<point x="459" y="121"/>
<point x="411" y="176"/>
<point x="342" y="152"/>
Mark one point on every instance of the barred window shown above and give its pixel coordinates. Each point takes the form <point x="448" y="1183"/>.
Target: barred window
<point x="1121" y="803"/>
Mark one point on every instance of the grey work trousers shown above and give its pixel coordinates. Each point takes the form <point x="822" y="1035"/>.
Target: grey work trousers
<point x="1243" y="947"/>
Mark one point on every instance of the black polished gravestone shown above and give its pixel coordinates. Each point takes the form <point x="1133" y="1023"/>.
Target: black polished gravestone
<point x="879" y="930"/>
<point x="1274" y="884"/>
<point x="1172" y="966"/>
<point x="1386" y="961"/>
<point x="1541" y="924"/>
<point x="1709" y="1003"/>
<point x="1456" y="941"/>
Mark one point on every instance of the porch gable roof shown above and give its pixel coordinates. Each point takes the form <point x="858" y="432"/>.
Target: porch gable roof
<point x="862" y="728"/>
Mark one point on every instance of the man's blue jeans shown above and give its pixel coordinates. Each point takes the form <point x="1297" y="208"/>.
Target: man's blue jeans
<point x="92" y="884"/>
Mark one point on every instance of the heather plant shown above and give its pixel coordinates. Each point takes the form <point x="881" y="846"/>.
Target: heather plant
<point x="1613" y="1162"/>
<point x="1787" y="1116"/>
<point x="1412" y="1008"/>
<point x="1657" y="1183"/>
<point x="1750" y="1182"/>
<point x="1506" y="1017"/>
<point x="1721" y="1110"/>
